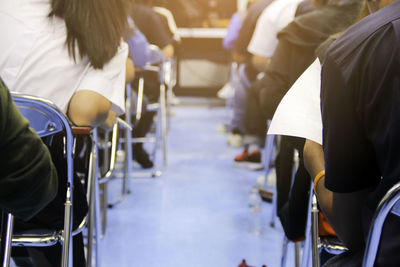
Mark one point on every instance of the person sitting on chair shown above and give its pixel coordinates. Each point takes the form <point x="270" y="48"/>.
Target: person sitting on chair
<point x="360" y="83"/>
<point x="77" y="60"/>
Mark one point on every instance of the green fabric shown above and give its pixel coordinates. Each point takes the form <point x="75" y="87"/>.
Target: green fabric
<point x="28" y="179"/>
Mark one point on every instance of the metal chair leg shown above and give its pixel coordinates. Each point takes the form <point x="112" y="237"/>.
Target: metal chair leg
<point x="140" y="93"/>
<point x="7" y="226"/>
<point x="163" y="108"/>
<point x="284" y="251"/>
<point x="269" y="152"/>
<point x="103" y="187"/>
<point x="128" y="148"/>
<point x="67" y="244"/>
<point x="91" y="197"/>
<point x="297" y="254"/>
<point x="97" y="206"/>
<point x="104" y="208"/>
<point x="306" y="257"/>
<point x="273" y="212"/>
<point x="314" y="222"/>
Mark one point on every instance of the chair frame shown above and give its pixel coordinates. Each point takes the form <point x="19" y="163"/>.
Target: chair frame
<point x="157" y="64"/>
<point x="56" y="122"/>
<point x="383" y="209"/>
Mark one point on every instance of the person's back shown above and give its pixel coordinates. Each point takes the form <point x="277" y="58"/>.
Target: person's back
<point x="76" y="60"/>
<point x="37" y="58"/>
<point x="150" y="24"/>
<point x="360" y="84"/>
<point x="28" y="179"/>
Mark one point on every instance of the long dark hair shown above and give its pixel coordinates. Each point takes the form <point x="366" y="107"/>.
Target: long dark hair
<point x="95" y="27"/>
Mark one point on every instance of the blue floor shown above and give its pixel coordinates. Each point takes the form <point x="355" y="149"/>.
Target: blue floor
<point x="196" y="213"/>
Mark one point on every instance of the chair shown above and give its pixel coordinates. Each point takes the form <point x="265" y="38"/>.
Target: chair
<point x="156" y="64"/>
<point x="46" y="119"/>
<point x="7" y="224"/>
<point x="389" y="203"/>
<point x="269" y="151"/>
<point x="314" y="243"/>
<point x="109" y="148"/>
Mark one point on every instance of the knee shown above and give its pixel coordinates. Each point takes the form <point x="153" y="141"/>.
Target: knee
<point x="269" y="101"/>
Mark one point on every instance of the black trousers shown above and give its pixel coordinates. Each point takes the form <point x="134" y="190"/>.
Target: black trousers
<point x="292" y="196"/>
<point x="151" y="93"/>
<point x="255" y="118"/>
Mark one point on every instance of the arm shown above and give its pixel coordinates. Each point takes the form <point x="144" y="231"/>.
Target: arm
<point x="238" y="57"/>
<point x="260" y="63"/>
<point x="130" y="70"/>
<point x="342" y="210"/>
<point x="99" y="91"/>
<point x="88" y="108"/>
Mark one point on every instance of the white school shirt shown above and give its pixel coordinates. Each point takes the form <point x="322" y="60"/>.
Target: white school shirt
<point x="34" y="58"/>
<point x="272" y="20"/>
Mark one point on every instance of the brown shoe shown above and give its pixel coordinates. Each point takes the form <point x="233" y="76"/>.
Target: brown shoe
<point x="265" y="195"/>
<point x="244" y="264"/>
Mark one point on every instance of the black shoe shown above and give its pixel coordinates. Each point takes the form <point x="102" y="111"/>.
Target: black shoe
<point x="140" y="156"/>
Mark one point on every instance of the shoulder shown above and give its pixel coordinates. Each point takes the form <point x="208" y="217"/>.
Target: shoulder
<point x="368" y="34"/>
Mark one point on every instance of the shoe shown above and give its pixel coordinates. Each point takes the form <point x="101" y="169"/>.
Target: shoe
<point x="235" y="140"/>
<point x="227" y="91"/>
<point x="251" y="161"/>
<point x="244" y="264"/>
<point x="265" y="195"/>
<point x="140" y="156"/>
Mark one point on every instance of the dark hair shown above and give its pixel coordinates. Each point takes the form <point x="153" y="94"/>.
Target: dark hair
<point x="95" y="27"/>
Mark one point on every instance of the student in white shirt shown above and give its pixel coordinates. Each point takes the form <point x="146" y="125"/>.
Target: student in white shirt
<point x="264" y="40"/>
<point x="76" y="60"/>
<point x="70" y="52"/>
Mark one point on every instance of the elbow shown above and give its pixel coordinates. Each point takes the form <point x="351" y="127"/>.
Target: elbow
<point x="87" y="108"/>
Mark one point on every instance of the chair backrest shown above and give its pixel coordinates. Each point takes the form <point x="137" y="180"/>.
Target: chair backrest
<point x="46" y="119"/>
<point x="43" y="116"/>
<point x="389" y="203"/>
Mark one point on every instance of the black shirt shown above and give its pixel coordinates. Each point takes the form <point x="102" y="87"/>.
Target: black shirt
<point x="360" y="100"/>
<point x="296" y="48"/>
<point x="151" y="25"/>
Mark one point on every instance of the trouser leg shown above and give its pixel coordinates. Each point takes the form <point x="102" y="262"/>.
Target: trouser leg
<point x="293" y="212"/>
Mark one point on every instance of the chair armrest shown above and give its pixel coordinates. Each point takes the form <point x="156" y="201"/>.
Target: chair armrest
<point x="77" y="130"/>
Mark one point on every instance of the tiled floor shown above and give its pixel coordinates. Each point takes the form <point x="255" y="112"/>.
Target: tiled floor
<point x="196" y="213"/>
